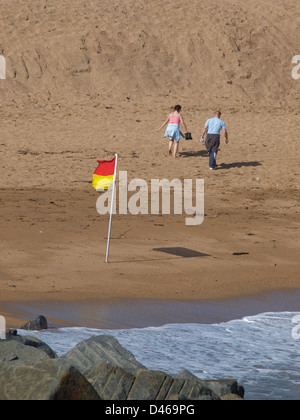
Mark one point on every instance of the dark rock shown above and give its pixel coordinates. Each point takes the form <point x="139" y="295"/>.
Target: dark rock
<point x="156" y="385"/>
<point x="123" y="377"/>
<point x="114" y="383"/>
<point x="98" y="368"/>
<point x="240" y="391"/>
<point x="27" y="340"/>
<point x="87" y="354"/>
<point x="111" y="382"/>
<point x="44" y="380"/>
<point x="178" y="397"/>
<point x="194" y="389"/>
<point x="231" y="397"/>
<point x="223" y="387"/>
<point x="206" y="398"/>
<point x="38" y="324"/>
<point x="150" y="385"/>
<point x="12" y="351"/>
<point x="219" y="388"/>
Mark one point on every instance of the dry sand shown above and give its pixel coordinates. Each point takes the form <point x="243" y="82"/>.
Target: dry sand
<point x="86" y="80"/>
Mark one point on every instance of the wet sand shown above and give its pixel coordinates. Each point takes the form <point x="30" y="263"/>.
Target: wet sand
<point x="134" y="313"/>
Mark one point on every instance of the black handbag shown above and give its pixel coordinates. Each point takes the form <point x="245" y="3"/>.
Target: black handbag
<point x="188" y="136"/>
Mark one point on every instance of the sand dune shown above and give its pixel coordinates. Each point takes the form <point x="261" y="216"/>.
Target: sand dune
<point x="88" y="79"/>
<point x="232" y="54"/>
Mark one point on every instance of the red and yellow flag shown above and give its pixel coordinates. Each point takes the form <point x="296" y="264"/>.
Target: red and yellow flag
<point x="104" y="175"/>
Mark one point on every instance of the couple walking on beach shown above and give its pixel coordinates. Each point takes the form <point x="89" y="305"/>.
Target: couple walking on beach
<point x="212" y="129"/>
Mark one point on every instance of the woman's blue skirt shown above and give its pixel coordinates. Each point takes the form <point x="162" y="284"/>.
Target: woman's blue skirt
<point x="173" y="132"/>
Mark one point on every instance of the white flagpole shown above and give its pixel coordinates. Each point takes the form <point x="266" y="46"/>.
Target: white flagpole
<point x="112" y="209"/>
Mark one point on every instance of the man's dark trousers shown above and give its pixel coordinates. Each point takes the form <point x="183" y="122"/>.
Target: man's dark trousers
<point x="212" y="146"/>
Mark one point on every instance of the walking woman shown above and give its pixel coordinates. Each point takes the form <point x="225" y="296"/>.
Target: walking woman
<point x="173" y="130"/>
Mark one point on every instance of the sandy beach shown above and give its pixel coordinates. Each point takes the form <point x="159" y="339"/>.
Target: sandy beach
<point x="86" y="82"/>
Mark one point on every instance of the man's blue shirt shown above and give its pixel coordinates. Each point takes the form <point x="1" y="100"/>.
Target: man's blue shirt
<point x="215" y="125"/>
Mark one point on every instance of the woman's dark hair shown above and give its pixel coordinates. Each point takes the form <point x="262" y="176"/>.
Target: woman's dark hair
<point x="177" y="108"/>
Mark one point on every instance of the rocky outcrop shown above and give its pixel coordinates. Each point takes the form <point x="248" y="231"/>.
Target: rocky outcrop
<point x="12" y="351"/>
<point x="96" y="369"/>
<point x="38" y="324"/>
<point x="102" y="348"/>
<point x="51" y="379"/>
<point x="29" y="341"/>
<point x="155" y="385"/>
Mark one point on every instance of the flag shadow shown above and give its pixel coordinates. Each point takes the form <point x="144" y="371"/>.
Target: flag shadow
<point x="175" y="253"/>
<point x="182" y="252"/>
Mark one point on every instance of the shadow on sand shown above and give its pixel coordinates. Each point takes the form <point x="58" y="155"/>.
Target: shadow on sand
<point x="238" y="165"/>
<point x="201" y="153"/>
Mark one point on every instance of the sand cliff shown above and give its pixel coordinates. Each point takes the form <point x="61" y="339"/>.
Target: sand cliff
<point x="87" y="79"/>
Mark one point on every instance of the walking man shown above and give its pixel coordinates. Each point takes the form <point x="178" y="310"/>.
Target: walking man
<point x="213" y="128"/>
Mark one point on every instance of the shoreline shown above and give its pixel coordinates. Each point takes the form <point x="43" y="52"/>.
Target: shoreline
<point x="143" y="313"/>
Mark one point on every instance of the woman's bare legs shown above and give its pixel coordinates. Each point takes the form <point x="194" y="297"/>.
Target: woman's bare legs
<point x="170" y="146"/>
<point x="175" y="150"/>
